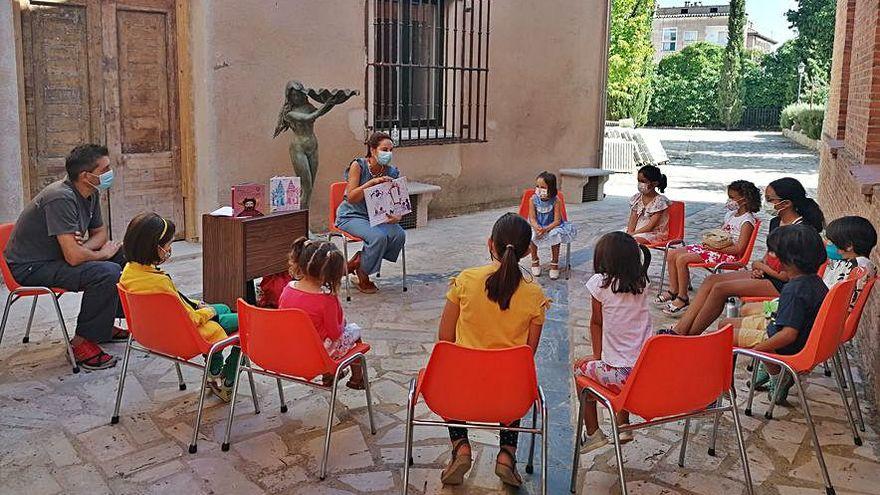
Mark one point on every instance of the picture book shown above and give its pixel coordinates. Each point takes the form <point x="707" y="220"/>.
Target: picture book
<point x="248" y="200"/>
<point x="284" y="194"/>
<point x="388" y="198"/>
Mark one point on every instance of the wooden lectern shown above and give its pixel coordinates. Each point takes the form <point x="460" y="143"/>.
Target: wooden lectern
<point x="237" y="250"/>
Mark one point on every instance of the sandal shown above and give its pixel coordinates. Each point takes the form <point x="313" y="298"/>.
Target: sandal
<point x="367" y="287"/>
<point x="454" y="473"/>
<point x="507" y="472"/>
<point x="91" y="357"/>
<point x="119" y="335"/>
<point x="673" y="310"/>
<point x="554" y="271"/>
<point x="665" y="299"/>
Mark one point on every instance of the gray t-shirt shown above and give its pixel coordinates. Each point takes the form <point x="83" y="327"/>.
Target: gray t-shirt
<point x="57" y="209"/>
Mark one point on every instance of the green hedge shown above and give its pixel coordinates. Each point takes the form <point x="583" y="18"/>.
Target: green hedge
<point x="807" y="117"/>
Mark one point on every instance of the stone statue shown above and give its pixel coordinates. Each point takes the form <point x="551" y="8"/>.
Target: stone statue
<point x="299" y="115"/>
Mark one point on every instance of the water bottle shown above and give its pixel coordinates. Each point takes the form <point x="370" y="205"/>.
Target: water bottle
<point x="731" y="309"/>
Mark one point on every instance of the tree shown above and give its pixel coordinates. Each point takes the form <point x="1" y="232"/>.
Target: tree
<point x="730" y="86"/>
<point x="814" y="22"/>
<point x="630" y="60"/>
<point x="771" y="80"/>
<point x="684" y="87"/>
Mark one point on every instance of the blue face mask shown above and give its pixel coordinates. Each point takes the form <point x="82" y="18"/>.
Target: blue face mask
<point x="105" y="180"/>
<point x="833" y="252"/>
<point x="384" y="157"/>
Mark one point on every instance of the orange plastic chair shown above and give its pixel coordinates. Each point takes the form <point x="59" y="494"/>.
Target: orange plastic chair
<point x="283" y="344"/>
<point x="17" y="291"/>
<point x="673" y="379"/>
<point x="174" y="337"/>
<point x="503" y="395"/>
<point x="337" y="195"/>
<point x="750" y="299"/>
<point x="822" y="344"/>
<point x="849" y="332"/>
<point x="524" y="212"/>
<point x="676" y="236"/>
<point x="743" y="261"/>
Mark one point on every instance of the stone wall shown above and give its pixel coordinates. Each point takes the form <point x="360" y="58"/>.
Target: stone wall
<point x="850" y="150"/>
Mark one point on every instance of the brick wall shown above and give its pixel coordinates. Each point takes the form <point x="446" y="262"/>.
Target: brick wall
<point x="853" y="115"/>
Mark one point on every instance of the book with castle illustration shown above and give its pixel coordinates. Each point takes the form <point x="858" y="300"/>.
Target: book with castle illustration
<point x="248" y="200"/>
<point x="284" y="194"/>
<point x="387" y="199"/>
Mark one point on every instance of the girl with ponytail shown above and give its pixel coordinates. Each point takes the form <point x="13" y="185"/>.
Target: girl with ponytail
<point x="494" y="307"/>
<point x="317" y="268"/>
<point x="620" y="323"/>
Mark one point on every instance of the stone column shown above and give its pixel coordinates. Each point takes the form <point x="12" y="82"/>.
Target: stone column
<point x="11" y="186"/>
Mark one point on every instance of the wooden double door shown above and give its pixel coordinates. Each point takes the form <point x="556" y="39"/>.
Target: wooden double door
<point x="105" y="71"/>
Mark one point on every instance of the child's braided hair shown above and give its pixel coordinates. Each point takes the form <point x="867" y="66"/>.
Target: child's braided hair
<point x="320" y="260"/>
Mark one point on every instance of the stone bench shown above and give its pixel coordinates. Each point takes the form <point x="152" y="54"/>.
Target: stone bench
<point x="579" y="185"/>
<point x="420" y="196"/>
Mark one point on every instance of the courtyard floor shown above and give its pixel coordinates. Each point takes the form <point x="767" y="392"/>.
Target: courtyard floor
<point x="57" y="437"/>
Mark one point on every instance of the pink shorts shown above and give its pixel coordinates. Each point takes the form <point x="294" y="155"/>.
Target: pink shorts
<point x="608" y="376"/>
<point x="710" y="256"/>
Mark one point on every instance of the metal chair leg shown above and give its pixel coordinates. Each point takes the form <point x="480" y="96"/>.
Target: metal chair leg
<point x="777" y="394"/>
<point x="684" y="442"/>
<point x="576" y="457"/>
<point x="9" y="301"/>
<point x="755" y="365"/>
<point x="368" y="394"/>
<point x="115" y="418"/>
<point x="815" y="438"/>
<point x="281" y="395"/>
<point x="27" y="332"/>
<point x="545" y="445"/>
<point x="66" y="334"/>
<point x="530" y="466"/>
<point x="403" y="262"/>
<point x="336" y="381"/>
<point x="225" y="446"/>
<point x="744" y="458"/>
<point x="347" y="276"/>
<point x="826" y="368"/>
<point x="663" y="271"/>
<point x="847" y="368"/>
<point x="617" y="451"/>
<point x="567" y="261"/>
<point x="180" y="383"/>
<point x="254" y="398"/>
<point x="839" y="377"/>
<point x="407" y="447"/>
<point x="193" y="446"/>
<point x="715" y="429"/>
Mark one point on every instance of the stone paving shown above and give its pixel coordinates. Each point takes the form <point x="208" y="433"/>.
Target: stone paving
<point x="57" y="436"/>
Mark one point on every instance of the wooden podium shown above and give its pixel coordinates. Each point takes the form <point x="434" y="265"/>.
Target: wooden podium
<point x="238" y="250"/>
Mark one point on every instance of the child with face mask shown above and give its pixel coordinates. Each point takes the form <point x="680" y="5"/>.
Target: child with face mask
<point x="649" y="216"/>
<point x="147" y="245"/>
<point x="743" y="201"/>
<point x="548" y="226"/>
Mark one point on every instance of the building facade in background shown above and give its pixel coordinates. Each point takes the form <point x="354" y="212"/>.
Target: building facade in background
<point x="849" y="172"/>
<point x="678" y="27"/>
<point x="186" y="95"/>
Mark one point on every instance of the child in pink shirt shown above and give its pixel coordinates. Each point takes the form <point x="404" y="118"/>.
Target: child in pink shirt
<point x="317" y="268"/>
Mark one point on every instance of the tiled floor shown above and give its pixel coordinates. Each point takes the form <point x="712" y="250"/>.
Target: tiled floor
<point x="57" y="437"/>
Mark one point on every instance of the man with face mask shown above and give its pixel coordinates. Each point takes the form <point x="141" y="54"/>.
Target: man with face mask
<point x="60" y="240"/>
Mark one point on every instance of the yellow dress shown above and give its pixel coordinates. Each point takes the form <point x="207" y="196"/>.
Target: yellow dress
<point x="481" y="322"/>
<point x="147" y="279"/>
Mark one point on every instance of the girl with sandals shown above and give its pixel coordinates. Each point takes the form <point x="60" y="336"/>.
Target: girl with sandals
<point x="493" y="307"/>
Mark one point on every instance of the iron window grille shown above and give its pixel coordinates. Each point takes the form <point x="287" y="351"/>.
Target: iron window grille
<point x="427" y="70"/>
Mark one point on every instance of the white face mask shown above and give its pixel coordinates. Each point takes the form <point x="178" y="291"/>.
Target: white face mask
<point x="165" y="255"/>
<point x="541" y="192"/>
<point x="645" y="188"/>
<point x="732" y="205"/>
<point x="772" y="210"/>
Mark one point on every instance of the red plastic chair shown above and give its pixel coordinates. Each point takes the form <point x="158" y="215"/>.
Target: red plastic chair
<point x="337" y="195"/>
<point x="174" y="337"/>
<point x="822" y="344"/>
<point x="502" y="395"/>
<point x="849" y="332"/>
<point x="743" y="261"/>
<point x="283" y="344"/>
<point x="676" y="236"/>
<point x="524" y="212"/>
<point x="17" y="291"/>
<point x="673" y="379"/>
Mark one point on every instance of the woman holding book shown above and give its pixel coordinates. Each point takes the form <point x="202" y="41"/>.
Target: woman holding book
<point x="383" y="241"/>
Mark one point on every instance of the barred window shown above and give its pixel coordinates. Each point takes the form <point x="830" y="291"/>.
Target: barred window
<point x="427" y="69"/>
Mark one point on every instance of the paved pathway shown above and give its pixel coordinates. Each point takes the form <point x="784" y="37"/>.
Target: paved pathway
<point x="57" y="437"/>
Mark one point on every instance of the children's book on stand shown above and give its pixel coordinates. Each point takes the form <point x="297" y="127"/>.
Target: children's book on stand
<point x="284" y="194"/>
<point x="387" y="199"/>
<point x="248" y="200"/>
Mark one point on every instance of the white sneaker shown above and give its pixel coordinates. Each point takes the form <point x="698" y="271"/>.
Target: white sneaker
<point x="554" y="274"/>
<point x="536" y="270"/>
<point x="592" y="442"/>
<point x="626" y="437"/>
